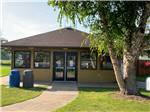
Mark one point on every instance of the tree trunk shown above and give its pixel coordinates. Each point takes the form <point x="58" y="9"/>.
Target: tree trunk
<point x="117" y="69"/>
<point x="130" y="55"/>
<point x="130" y="74"/>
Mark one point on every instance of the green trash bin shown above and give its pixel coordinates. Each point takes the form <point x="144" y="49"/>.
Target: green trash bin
<point x="28" y="79"/>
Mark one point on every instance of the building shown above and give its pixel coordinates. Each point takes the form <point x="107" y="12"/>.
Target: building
<point x="60" y="56"/>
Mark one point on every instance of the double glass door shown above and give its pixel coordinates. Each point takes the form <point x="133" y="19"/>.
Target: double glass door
<point x="65" y="66"/>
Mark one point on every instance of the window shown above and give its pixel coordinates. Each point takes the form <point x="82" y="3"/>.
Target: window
<point x="22" y="59"/>
<point x="88" y="60"/>
<point x="105" y="62"/>
<point x="42" y="59"/>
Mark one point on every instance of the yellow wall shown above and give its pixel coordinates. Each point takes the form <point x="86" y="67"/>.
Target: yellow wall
<point x="95" y="76"/>
<point x="82" y="75"/>
<point x="39" y="74"/>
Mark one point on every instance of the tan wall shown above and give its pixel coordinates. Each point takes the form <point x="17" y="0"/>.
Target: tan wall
<point x="95" y="76"/>
<point x="39" y="74"/>
<point x="82" y="76"/>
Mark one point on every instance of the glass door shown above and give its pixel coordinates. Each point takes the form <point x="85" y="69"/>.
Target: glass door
<point x="65" y="66"/>
<point x="59" y="66"/>
<point x="71" y="66"/>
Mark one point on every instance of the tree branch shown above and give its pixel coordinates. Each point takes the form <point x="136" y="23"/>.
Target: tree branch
<point x="138" y="41"/>
<point x="145" y="15"/>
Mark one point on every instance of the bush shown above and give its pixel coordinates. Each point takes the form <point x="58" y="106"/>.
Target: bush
<point x="5" y="62"/>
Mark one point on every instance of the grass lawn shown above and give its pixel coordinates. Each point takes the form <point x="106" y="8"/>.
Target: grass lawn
<point x="15" y="95"/>
<point x="100" y="100"/>
<point x="4" y="70"/>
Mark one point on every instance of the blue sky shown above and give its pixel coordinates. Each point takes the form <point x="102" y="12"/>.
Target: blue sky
<point x="29" y="17"/>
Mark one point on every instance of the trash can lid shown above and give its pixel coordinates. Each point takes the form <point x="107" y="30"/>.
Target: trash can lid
<point x="14" y="70"/>
<point x="27" y="70"/>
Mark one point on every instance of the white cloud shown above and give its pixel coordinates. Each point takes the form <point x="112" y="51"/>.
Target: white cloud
<point x="5" y="1"/>
<point x="16" y="27"/>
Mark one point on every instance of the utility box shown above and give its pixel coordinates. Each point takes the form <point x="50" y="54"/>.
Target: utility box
<point x="148" y="84"/>
<point x="28" y="79"/>
<point x="14" y="78"/>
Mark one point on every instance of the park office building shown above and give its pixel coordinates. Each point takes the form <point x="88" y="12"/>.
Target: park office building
<point x="60" y="56"/>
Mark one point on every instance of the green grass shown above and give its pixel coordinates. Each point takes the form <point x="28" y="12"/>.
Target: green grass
<point x="15" y="95"/>
<point x="146" y="93"/>
<point x="100" y="100"/>
<point x="5" y="67"/>
<point x="142" y="78"/>
<point x="4" y="70"/>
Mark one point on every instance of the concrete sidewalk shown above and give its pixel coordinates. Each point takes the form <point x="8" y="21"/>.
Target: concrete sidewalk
<point x="57" y="95"/>
<point x="4" y="80"/>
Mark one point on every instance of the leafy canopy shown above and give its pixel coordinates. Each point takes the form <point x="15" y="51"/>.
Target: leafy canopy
<point x="121" y="18"/>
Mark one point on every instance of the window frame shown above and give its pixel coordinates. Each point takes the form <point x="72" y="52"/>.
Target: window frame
<point x="102" y="68"/>
<point x="85" y="60"/>
<point x="48" y="60"/>
<point x="29" y="58"/>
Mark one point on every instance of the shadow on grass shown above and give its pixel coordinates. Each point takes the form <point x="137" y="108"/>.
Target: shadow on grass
<point x="145" y="96"/>
<point x="92" y="89"/>
<point x="35" y="88"/>
<point x="144" y="93"/>
<point x="29" y="89"/>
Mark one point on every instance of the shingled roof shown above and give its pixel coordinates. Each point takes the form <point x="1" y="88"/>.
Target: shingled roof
<point x="66" y="37"/>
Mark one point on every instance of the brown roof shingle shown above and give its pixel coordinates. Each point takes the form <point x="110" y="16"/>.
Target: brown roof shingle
<point x="66" y="37"/>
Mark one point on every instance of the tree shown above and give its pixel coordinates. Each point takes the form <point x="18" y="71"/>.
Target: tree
<point x="118" y="26"/>
<point x="5" y="54"/>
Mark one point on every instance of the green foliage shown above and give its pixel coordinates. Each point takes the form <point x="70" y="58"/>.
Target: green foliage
<point x="88" y="14"/>
<point x="142" y="77"/>
<point x="107" y="20"/>
<point x="147" y="51"/>
<point x="5" y="54"/>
